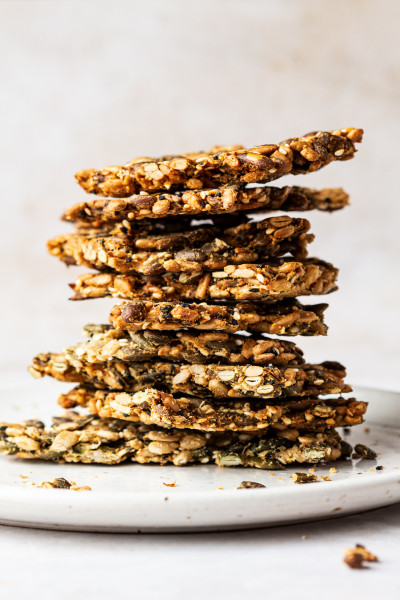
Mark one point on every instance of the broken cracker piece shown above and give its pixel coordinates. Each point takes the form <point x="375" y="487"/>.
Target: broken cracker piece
<point x="245" y="485"/>
<point x="355" y="557"/>
<point x="61" y="483"/>
<point x="303" y="478"/>
<point x="364" y="452"/>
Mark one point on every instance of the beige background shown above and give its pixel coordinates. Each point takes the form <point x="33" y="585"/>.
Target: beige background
<point x="95" y="83"/>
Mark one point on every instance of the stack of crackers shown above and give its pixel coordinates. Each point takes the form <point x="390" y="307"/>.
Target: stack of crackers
<point x="209" y="264"/>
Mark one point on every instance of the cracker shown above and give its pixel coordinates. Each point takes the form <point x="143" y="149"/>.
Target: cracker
<point x="254" y="282"/>
<point x="106" y="343"/>
<point x="155" y="407"/>
<point x="288" y="317"/>
<point x="78" y="439"/>
<point x="196" y="249"/>
<point x="223" y="165"/>
<point x="224" y="200"/>
<point x="210" y="380"/>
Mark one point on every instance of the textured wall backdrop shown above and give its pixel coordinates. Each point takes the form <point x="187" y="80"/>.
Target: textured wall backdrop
<point x="95" y="83"/>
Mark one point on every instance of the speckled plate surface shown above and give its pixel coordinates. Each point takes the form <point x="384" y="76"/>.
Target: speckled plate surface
<point x="129" y="497"/>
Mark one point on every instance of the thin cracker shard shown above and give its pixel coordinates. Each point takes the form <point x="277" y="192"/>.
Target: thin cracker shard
<point x="112" y="441"/>
<point x="155" y="407"/>
<point x="227" y="165"/>
<point x="227" y="199"/>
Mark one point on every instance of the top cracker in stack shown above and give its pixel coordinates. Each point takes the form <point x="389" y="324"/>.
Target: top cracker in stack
<point x="223" y="165"/>
<point x="174" y="240"/>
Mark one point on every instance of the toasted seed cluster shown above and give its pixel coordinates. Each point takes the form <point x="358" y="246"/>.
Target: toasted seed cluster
<point x="185" y="373"/>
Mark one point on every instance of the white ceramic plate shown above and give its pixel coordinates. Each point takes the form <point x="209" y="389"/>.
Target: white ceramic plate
<point x="131" y="497"/>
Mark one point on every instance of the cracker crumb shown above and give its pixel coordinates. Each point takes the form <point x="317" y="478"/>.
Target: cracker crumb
<point x="363" y="452"/>
<point x="333" y="470"/>
<point x="250" y="484"/>
<point x="303" y="478"/>
<point x="355" y="557"/>
<point x="61" y="483"/>
<point x="173" y="484"/>
<point x="325" y="478"/>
